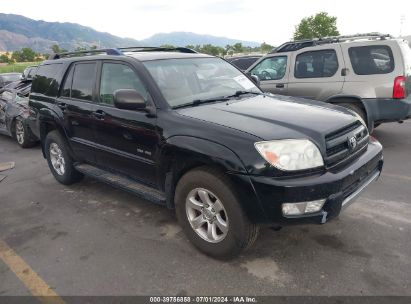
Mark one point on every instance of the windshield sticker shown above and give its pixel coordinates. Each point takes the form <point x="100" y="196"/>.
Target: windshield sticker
<point x="244" y="82"/>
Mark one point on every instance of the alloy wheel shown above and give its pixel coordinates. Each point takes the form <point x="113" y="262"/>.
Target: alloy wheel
<point x="206" y="215"/>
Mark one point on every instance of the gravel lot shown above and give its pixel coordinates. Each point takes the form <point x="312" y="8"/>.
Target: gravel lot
<point x="91" y="239"/>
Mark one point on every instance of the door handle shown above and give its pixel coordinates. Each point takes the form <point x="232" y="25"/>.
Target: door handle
<point x="279" y="85"/>
<point x="62" y="106"/>
<point x="344" y="72"/>
<point x="98" y="114"/>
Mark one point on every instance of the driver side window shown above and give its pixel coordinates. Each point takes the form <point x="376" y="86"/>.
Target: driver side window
<point x="115" y="76"/>
<point x="272" y="68"/>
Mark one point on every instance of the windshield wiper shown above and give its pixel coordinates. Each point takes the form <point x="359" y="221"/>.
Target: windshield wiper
<point x="239" y="93"/>
<point x="201" y="101"/>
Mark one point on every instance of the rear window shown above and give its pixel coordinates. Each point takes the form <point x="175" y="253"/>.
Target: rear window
<point x="370" y="60"/>
<point x="44" y="81"/>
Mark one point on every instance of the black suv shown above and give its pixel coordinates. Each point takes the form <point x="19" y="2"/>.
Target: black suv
<point x="192" y="132"/>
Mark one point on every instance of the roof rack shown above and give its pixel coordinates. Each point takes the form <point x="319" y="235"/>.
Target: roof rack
<point x="113" y="51"/>
<point x="156" y="49"/>
<point x="120" y="51"/>
<point x="300" y="44"/>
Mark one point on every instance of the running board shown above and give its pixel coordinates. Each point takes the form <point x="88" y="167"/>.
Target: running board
<point x="124" y="183"/>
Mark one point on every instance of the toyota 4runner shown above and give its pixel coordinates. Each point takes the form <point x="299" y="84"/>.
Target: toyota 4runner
<point x="193" y="133"/>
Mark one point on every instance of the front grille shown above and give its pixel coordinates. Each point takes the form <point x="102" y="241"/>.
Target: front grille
<point x="338" y="146"/>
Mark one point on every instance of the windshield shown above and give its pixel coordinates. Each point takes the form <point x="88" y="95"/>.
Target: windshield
<point x="182" y="81"/>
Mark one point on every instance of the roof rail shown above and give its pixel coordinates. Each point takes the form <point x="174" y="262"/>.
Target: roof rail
<point x="299" y="44"/>
<point x="119" y="51"/>
<point x="156" y="49"/>
<point x="112" y="51"/>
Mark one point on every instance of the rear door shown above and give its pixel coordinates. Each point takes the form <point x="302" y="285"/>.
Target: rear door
<point x="273" y="73"/>
<point x="76" y="101"/>
<point x="127" y="139"/>
<point x="372" y="67"/>
<point x="316" y="73"/>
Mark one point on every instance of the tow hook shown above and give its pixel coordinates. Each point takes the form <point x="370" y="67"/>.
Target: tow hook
<point x="324" y="219"/>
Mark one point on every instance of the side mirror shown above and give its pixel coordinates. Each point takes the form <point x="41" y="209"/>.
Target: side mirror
<point x="129" y="99"/>
<point x="256" y="80"/>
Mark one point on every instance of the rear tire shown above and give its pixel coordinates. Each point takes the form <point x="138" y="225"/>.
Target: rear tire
<point x="22" y="134"/>
<point x="59" y="159"/>
<point x="204" y="198"/>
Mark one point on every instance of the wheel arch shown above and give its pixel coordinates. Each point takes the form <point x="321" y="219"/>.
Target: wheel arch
<point x="352" y="99"/>
<point x="181" y="154"/>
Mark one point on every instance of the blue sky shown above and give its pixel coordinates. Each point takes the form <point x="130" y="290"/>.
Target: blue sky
<point x="256" y="20"/>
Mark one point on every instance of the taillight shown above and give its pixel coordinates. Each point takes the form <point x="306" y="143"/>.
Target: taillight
<point x="399" y="87"/>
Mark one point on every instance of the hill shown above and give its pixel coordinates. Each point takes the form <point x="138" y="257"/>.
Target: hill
<point x="18" y="31"/>
<point x="186" y="38"/>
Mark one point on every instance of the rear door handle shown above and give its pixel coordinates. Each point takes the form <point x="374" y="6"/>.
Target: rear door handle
<point x="279" y="85"/>
<point x="98" y="114"/>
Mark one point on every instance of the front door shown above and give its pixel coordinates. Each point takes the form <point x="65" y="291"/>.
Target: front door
<point x="127" y="139"/>
<point x="273" y="74"/>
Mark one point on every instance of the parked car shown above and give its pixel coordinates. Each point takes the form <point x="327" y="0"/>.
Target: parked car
<point x="369" y="74"/>
<point x="7" y="78"/>
<point x="14" y="111"/>
<point x="225" y="155"/>
<point x="243" y="62"/>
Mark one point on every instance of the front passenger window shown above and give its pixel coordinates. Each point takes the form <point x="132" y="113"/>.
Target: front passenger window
<point x="272" y="68"/>
<point x="115" y="76"/>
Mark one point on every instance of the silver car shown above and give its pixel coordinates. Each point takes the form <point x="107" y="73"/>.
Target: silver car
<point x="369" y="74"/>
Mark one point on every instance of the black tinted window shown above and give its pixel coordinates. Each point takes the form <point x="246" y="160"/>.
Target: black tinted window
<point x="116" y="76"/>
<point x="316" y="64"/>
<point x="44" y="81"/>
<point x="83" y="81"/>
<point x="244" y="63"/>
<point x="368" y="60"/>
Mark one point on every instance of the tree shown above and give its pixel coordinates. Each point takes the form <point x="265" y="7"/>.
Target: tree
<point x="316" y="26"/>
<point x="238" y="47"/>
<point x="265" y="48"/>
<point x="5" y="59"/>
<point x="56" y="49"/>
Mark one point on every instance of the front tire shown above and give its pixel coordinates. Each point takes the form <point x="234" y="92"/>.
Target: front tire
<point x="59" y="159"/>
<point x="211" y="215"/>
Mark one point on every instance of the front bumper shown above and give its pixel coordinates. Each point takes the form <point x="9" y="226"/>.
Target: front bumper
<point x="340" y="188"/>
<point x="386" y="110"/>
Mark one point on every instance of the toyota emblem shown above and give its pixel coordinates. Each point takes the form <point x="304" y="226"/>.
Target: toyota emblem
<point x="352" y="143"/>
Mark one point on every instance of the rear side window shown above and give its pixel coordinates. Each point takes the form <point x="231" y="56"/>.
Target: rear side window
<point x="83" y="81"/>
<point x="369" y="60"/>
<point x="316" y="64"/>
<point x="44" y="81"/>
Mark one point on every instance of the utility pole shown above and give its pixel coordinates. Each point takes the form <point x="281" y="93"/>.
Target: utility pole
<point x="402" y="21"/>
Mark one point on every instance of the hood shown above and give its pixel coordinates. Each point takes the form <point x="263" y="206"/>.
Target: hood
<point x="275" y="117"/>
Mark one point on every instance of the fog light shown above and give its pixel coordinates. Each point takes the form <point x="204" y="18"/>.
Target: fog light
<point x="302" y="208"/>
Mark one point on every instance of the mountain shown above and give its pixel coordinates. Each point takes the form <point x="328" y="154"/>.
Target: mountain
<point x="186" y="38"/>
<point x="18" y="31"/>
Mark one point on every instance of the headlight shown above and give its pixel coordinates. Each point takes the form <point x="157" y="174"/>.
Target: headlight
<point x="290" y="154"/>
